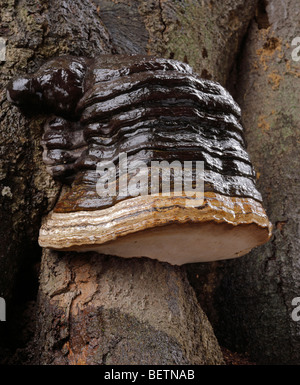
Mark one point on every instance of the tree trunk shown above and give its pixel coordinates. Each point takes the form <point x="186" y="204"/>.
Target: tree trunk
<point x="249" y="300"/>
<point x="95" y="309"/>
<point x="34" y="31"/>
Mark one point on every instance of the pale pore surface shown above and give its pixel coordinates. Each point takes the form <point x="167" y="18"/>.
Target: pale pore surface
<point x="163" y="228"/>
<point x="180" y="244"/>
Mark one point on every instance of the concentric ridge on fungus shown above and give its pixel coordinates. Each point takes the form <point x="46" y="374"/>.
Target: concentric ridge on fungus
<point x="153" y="110"/>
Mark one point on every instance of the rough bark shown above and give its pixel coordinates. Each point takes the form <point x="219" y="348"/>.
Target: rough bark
<point x="205" y="34"/>
<point x="106" y="310"/>
<point x="76" y="322"/>
<point x="249" y="300"/>
<point x="34" y="31"/>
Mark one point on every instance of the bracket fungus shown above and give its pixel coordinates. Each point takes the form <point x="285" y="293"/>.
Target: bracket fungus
<point x="151" y="110"/>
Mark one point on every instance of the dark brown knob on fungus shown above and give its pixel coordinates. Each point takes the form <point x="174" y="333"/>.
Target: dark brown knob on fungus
<point x="153" y="110"/>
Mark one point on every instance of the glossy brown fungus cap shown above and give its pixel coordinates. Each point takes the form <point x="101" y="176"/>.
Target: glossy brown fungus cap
<point x="153" y="110"/>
